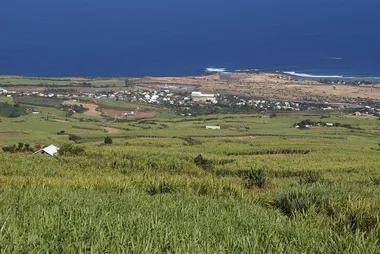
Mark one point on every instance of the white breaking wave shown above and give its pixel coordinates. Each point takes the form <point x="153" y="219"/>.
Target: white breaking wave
<point x="333" y="58"/>
<point x="311" y="76"/>
<point x="215" y="69"/>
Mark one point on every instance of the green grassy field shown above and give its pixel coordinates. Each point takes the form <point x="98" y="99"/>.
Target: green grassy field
<point x="6" y="99"/>
<point x="259" y="185"/>
<point x="59" y="82"/>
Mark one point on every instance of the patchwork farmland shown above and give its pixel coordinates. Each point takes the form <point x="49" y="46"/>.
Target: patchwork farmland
<point x="164" y="183"/>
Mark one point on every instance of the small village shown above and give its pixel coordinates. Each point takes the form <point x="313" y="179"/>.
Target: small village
<point x="188" y="102"/>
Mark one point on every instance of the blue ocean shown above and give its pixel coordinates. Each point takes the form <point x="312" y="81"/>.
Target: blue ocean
<point x="175" y="38"/>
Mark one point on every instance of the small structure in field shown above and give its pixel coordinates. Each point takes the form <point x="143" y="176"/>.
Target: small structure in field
<point x="329" y="124"/>
<point x="212" y="127"/>
<point x="51" y="150"/>
<point x="358" y="114"/>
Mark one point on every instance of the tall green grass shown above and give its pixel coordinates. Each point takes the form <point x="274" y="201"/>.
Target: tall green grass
<point x="230" y="193"/>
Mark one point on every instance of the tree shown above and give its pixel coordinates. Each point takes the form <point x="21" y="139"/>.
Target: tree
<point x="273" y="115"/>
<point x="108" y="140"/>
<point x="27" y="147"/>
<point x="74" y="138"/>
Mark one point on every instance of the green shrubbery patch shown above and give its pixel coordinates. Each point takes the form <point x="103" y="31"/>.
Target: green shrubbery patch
<point x="162" y="187"/>
<point x="375" y="180"/>
<point x="19" y="148"/>
<point x="269" y="152"/>
<point x="71" y="150"/>
<point x="300" y="201"/>
<point x="11" y="111"/>
<point x="311" y="177"/>
<point x="256" y="177"/>
<point x="355" y="215"/>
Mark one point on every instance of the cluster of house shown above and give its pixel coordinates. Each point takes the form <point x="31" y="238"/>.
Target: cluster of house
<point x="185" y="98"/>
<point x="3" y="91"/>
<point x="150" y="97"/>
<point x="272" y="104"/>
<point x="164" y="96"/>
<point x="318" y="124"/>
<point x="368" y="110"/>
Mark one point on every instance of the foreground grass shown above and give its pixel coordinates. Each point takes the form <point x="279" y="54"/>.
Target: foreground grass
<point x="151" y="197"/>
<point x="87" y="221"/>
<point x="318" y="190"/>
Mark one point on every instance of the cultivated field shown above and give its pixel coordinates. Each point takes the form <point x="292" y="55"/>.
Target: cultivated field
<point x="168" y="185"/>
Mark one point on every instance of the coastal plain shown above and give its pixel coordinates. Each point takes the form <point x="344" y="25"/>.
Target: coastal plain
<point x="273" y="85"/>
<point x="288" y="166"/>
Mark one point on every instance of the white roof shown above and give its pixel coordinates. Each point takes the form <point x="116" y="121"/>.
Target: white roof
<point x="51" y="150"/>
<point x="212" y="127"/>
<point x="199" y="94"/>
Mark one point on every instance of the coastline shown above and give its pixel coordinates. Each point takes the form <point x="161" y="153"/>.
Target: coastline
<point x="206" y="72"/>
<point x="297" y="75"/>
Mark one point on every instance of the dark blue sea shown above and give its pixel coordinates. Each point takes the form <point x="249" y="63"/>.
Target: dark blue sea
<point x="177" y="37"/>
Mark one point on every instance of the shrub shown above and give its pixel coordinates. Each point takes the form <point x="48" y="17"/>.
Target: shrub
<point x="202" y="163"/>
<point x="74" y="138"/>
<point x="61" y="132"/>
<point x="69" y="114"/>
<point x="311" y="177"/>
<point x="300" y="201"/>
<point x="375" y="180"/>
<point x="162" y="188"/>
<point x="108" y="141"/>
<point x="191" y="142"/>
<point x="273" y="115"/>
<point x="20" y="147"/>
<point x="71" y="150"/>
<point x="255" y="177"/>
<point x="355" y="215"/>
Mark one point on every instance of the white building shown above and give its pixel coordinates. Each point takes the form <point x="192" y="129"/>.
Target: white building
<point x="212" y="127"/>
<point x="3" y="91"/>
<point x="203" y="98"/>
<point x="51" y="150"/>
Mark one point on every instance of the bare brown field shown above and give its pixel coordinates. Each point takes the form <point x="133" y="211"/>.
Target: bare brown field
<point x="93" y="109"/>
<point x="6" y="134"/>
<point x="268" y="85"/>
<point x="61" y="121"/>
<point x="112" y="130"/>
<point x="361" y="117"/>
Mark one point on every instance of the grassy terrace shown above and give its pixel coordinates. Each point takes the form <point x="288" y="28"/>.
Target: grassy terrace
<point x="259" y="185"/>
<point x="59" y="82"/>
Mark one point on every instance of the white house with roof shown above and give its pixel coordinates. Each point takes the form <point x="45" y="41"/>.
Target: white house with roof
<point x="51" y="150"/>
<point x="3" y="91"/>
<point x="212" y="127"/>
